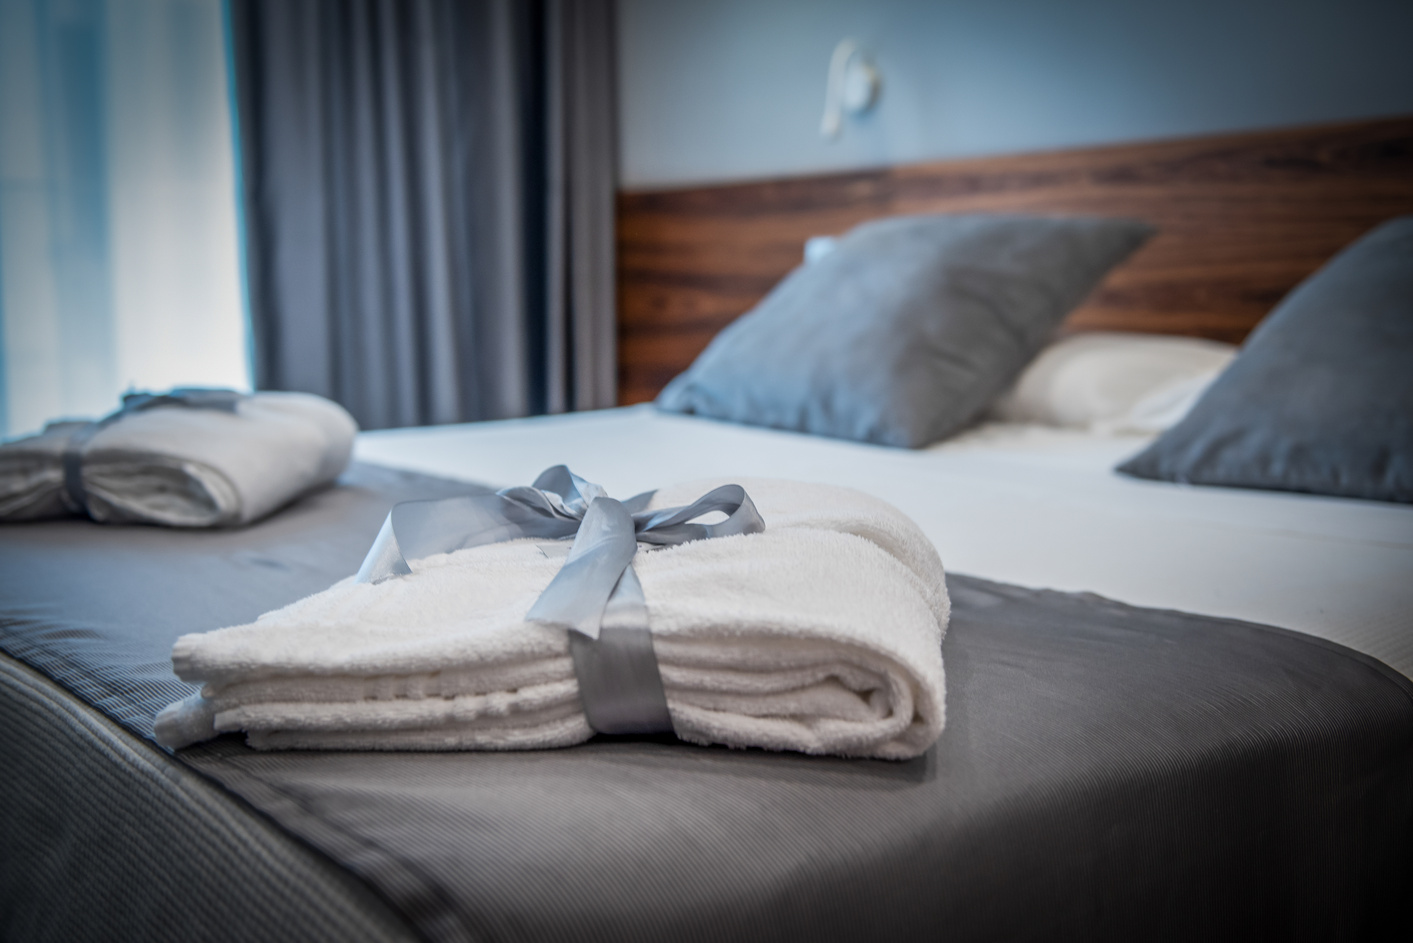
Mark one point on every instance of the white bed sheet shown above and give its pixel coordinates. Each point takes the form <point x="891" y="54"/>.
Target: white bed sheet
<point x="1029" y="505"/>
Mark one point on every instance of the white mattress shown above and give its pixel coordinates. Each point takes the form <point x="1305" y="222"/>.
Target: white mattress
<point x="1020" y="504"/>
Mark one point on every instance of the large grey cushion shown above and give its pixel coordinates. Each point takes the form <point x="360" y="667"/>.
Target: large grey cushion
<point x="1320" y="399"/>
<point x="907" y="330"/>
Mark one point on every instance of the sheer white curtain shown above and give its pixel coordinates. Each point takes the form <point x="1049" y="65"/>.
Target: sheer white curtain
<point x="119" y="262"/>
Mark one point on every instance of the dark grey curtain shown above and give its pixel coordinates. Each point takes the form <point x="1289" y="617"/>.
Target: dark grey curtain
<point x="428" y="199"/>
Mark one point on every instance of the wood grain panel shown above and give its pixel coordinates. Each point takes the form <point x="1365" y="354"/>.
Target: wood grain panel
<point x="1241" y="220"/>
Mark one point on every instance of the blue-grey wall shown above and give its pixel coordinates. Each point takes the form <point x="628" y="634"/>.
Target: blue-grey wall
<point x="714" y="90"/>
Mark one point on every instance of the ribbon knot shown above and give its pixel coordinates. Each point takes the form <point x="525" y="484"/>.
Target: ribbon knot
<point x="558" y="505"/>
<point x="596" y="594"/>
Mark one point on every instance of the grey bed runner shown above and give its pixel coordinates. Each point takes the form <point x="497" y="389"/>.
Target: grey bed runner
<point x="1106" y="772"/>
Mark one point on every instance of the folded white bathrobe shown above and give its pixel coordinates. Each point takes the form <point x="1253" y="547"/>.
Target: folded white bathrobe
<point x="183" y="466"/>
<point x="822" y="634"/>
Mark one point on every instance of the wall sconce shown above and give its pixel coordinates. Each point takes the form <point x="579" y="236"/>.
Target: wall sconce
<point x="852" y="87"/>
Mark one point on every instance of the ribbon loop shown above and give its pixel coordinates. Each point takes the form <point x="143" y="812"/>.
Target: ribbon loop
<point x="673" y="525"/>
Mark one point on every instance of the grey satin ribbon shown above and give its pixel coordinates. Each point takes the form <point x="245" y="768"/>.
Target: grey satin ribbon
<point x="75" y="494"/>
<point x="596" y="594"/>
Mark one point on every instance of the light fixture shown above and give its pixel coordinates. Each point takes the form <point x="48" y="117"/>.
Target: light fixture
<point x="852" y="87"/>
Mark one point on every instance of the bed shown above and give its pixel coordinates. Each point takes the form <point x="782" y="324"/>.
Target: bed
<point x="1172" y="712"/>
<point x="1023" y="504"/>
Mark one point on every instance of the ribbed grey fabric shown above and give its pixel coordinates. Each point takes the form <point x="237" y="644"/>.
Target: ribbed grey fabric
<point x="428" y="201"/>
<point x="105" y="837"/>
<point x="1107" y="773"/>
<point x="128" y="575"/>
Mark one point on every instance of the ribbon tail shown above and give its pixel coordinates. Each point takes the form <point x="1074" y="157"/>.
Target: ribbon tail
<point x="627" y="608"/>
<point x="596" y="595"/>
<point x="620" y="684"/>
<point x="384" y="559"/>
<point x="579" y="593"/>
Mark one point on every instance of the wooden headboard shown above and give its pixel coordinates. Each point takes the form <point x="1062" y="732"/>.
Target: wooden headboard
<point x="1241" y="219"/>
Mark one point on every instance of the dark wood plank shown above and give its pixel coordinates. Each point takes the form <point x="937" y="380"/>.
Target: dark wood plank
<point x="1241" y="218"/>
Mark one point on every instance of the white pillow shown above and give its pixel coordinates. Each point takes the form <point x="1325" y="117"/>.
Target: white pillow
<point x="1112" y="382"/>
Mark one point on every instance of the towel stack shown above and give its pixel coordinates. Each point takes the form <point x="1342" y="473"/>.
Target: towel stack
<point x="823" y="634"/>
<point x="184" y="467"/>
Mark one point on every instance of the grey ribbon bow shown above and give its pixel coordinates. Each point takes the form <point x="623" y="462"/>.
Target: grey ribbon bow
<point x="75" y="494"/>
<point x="596" y="595"/>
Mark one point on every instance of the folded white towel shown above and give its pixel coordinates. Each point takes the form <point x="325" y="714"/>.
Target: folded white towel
<point x="822" y="634"/>
<point x="185" y="467"/>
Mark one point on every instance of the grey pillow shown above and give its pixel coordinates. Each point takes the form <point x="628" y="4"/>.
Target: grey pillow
<point x="907" y="330"/>
<point x="1320" y="399"/>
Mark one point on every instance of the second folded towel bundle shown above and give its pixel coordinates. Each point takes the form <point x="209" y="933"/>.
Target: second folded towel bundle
<point x="192" y="458"/>
<point x="821" y="634"/>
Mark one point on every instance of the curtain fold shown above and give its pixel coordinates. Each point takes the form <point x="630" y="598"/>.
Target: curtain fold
<point x="429" y="203"/>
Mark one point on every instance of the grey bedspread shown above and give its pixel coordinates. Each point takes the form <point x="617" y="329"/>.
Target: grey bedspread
<point x="1106" y="772"/>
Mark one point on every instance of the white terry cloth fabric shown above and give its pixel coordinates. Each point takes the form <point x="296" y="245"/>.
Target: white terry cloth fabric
<point x="185" y="467"/>
<point x="822" y="634"/>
